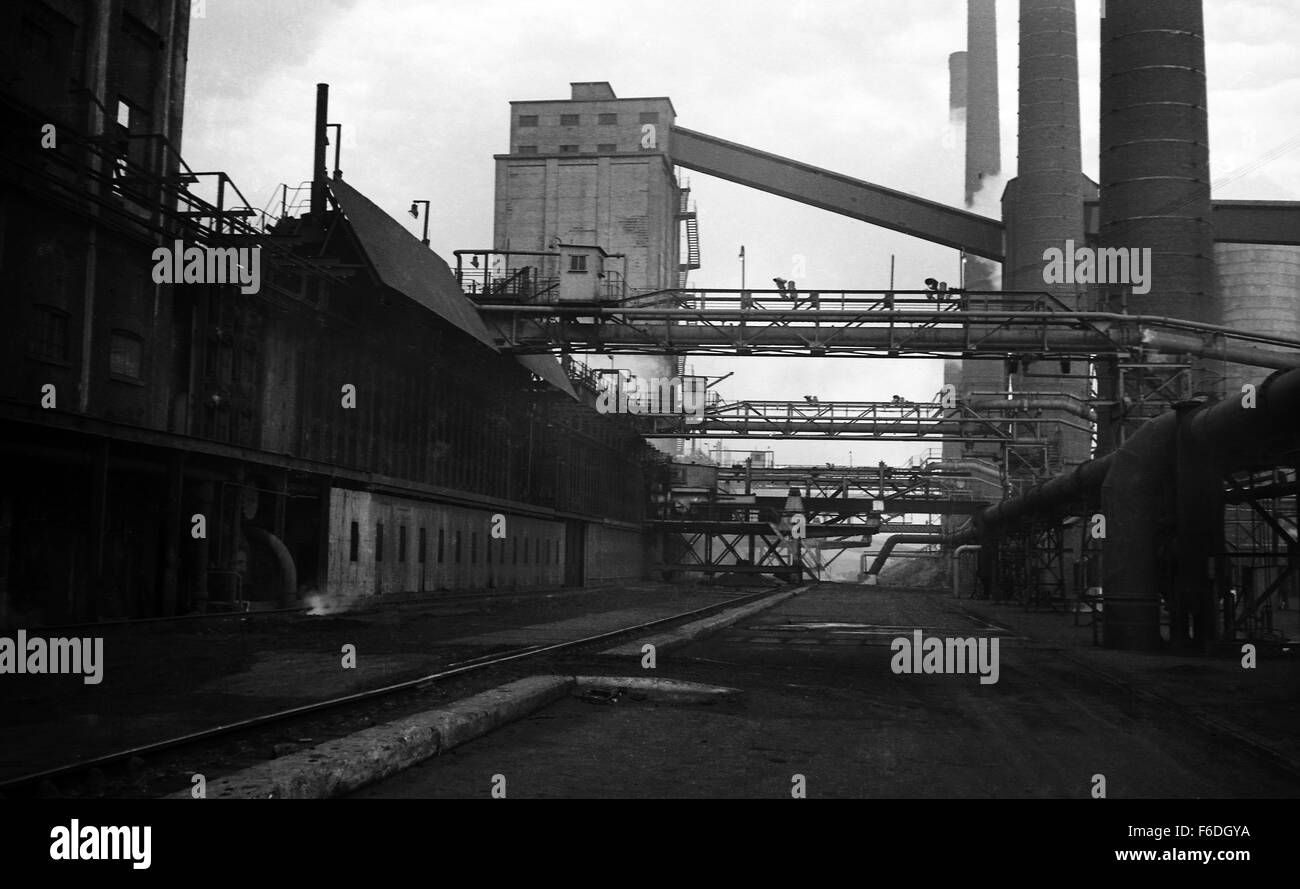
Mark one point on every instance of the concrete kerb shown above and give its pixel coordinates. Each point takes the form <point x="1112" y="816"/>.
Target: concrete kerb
<point x="338" y="767"/>
<point x="688" y="633"/>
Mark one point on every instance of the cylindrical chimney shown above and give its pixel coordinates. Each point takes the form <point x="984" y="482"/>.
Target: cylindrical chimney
<point x="1155" y="161"/>
<point x="1047" y="209"/>
<point x="974" y="74"/>
<point x="957" y="88"/>
<point x="318" y="176"/>
<point x="983" y="148"/>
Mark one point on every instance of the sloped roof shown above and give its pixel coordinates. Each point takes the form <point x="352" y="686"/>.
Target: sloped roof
<point x="411" y="268"/>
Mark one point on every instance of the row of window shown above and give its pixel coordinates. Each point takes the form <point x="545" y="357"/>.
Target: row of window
<point x="50" y="341"/>
<point x="602" y="148"/>
<point x="545" y="552"/>
<point x="573" y="120"/>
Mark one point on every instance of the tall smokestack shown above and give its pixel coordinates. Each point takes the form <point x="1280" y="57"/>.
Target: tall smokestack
<point x="1155" y="164"/>
<point x="1155" y="193"/>
<point x="957" y="88"/>
<point x="977" y="75"/>
<point x="983" y="154"/>
<point x="318" y="161"/>
<point x="1047" y="208"/>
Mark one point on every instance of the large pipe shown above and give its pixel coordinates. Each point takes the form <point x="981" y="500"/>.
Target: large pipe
<point x="288" y="571"/>
<point x="1155" y="497"/>
<point x="318" y="174"/>
<point x="956" y="565"/>
<point x="1138" y="503"/>
<point x="883" y="555"/>
<point x="1240" y="432"/>
<point x="1218" y="348"/>
<point x="1058" y="403"/>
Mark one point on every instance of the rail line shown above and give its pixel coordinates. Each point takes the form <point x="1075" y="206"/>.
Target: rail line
<point x="459" y="668"/>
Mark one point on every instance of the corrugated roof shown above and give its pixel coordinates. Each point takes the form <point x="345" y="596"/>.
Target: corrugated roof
<point x="411" y="268"/>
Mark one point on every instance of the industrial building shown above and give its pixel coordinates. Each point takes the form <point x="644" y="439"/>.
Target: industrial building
<point x="347" y="430"/>
<point x="350" y="428"/>
<point x="241" y="444"/>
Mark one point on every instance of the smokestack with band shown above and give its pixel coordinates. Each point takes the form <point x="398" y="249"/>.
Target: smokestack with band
<point x="1045" y="208"/>
<point x="1155" y="169"/>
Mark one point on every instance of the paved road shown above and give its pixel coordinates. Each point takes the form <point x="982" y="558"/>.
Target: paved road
<point x="822" y="702"/>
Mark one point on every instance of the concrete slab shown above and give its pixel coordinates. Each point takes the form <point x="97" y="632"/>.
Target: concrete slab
<point x="341" y="766"/>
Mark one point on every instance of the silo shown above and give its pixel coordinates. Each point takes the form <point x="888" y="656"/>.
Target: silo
<point x="1259" y="290"/>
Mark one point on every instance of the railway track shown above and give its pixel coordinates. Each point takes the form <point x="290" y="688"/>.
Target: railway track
<point x="39" y="783"/>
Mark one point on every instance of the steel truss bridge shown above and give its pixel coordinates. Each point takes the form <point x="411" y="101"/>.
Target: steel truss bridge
<point x="844" y="507"/>
<point x="1002" y="325"/>
<point x="860" y="420"/>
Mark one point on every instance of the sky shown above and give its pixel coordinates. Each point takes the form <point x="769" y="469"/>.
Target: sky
<point x="861" y="88"/>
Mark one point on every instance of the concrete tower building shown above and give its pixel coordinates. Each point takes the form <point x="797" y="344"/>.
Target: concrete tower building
<point x="595" y="169"/>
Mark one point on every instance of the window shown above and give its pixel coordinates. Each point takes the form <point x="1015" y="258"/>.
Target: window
<point x="125" y="355"/>
<point x="49" y="334"/>
<point x="379" y="541"/>
<point x="568" y="149"/>
<point x="607" y="120"/>
<point x="356" y="542"/>
<point x="649" y="117"/>
<point x="577" y="262"/>
<point x="473" y="548"/>
<point x="441" y="554"/>
<point x="123" y="114"/>
<point x="569" y="120"/>
<point x="457" y="547"/>
<point x="606" y="148"/>
<point x="424" y="540"/>
<point x="528" y="120"/>
<point x="527" y="149"/>
<point x="401" y="543"/>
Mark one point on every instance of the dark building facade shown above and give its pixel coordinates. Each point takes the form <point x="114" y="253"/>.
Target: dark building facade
<point x="344" y="427"/>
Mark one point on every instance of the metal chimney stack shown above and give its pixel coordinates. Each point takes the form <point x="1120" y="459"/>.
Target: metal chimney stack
<point x="973" y="87"/>
<point x="318" y="176"/>
<point x="1047" y="207"/>
<point x="983" y="146"/>
<point x="1155" y="165"/>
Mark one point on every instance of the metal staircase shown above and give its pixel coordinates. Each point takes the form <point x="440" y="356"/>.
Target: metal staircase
<point x="686" y="213"/>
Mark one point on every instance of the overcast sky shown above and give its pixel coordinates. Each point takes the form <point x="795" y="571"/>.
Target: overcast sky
<point x="422" y="89"/>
